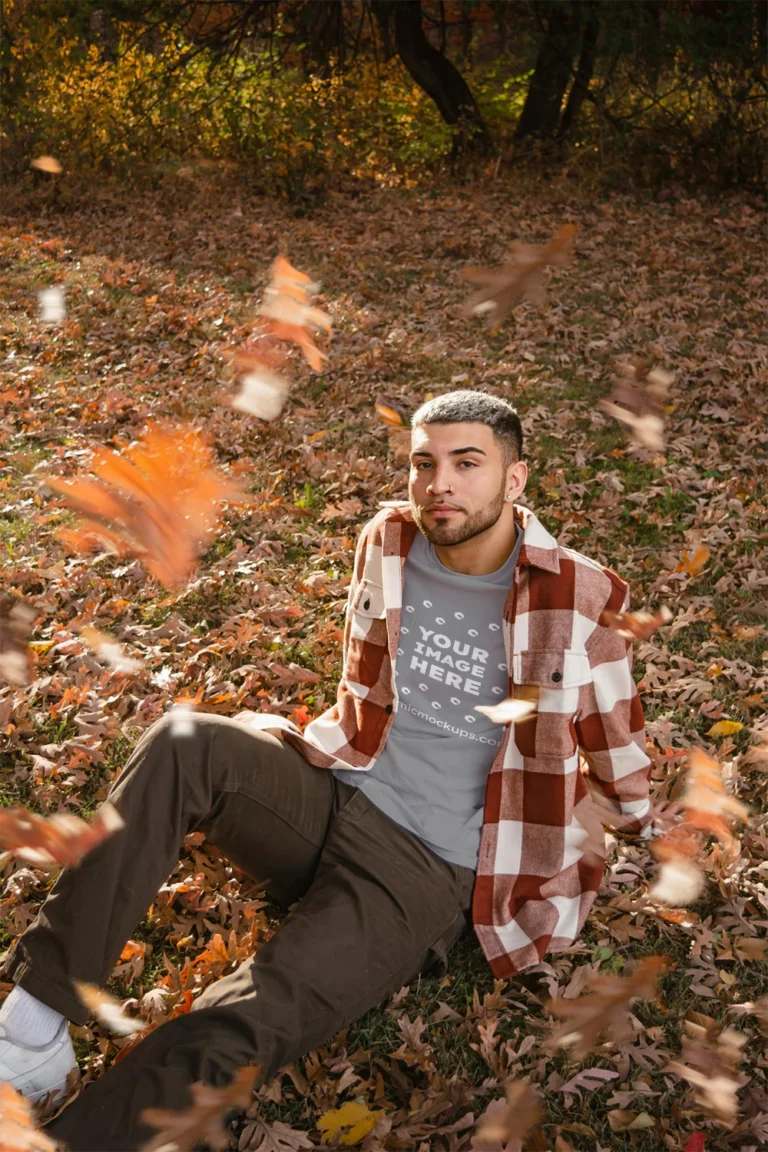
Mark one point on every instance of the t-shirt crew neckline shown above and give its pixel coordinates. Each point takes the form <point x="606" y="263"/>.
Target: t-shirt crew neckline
<point x="501" y="575"/>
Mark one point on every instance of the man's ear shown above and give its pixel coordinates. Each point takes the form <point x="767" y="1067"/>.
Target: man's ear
<point x="517" y="478"/>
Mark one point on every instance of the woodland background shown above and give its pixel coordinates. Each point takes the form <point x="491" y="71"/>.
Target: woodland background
<point x="382" y="147"/>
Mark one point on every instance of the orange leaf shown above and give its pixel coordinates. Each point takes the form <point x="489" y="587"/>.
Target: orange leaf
<point x="693" y="565"/>
<point x="47" y="164"/>
<point x="635" y="625"/>
<point x="56" y="841"/>
<point x="18" y="1131"/>
<point x="164" y="501"/>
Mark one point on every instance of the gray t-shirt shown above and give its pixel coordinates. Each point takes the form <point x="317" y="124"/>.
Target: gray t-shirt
<point x="432" y="772"/>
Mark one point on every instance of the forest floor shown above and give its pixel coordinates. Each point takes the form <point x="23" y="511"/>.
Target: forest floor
<point x="157" y="285"/>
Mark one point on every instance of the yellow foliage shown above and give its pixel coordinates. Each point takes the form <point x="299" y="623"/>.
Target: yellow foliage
<point x="354" y="1120"/>
<point x="725" y="728"/>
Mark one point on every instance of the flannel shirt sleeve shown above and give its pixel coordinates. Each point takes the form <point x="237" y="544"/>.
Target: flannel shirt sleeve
<point x="358" y="567"/>
<point x="610" y="729"/>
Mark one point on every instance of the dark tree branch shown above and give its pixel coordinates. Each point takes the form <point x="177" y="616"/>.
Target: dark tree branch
<point x="436" y="75"/>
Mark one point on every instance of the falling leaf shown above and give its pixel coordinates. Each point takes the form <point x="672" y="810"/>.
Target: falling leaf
<point x="107" y="1010"/>
<point x="108" y="650"/>
<point x="606" y="1010"/>
<point x="707" y="806"/>
<point x="203" y="1121"/>
<point x="262" y="394"/>
<point x="510" y="711"/>
<point x="398" y="432"/>
<point x="635" y="625"/>
<point x="521" y="278"/>
<point x="637" y="402"/>
<point x="47" y="164"/>
<point x="298" y="335"/>
<point x="679" y="882"/>
<point x="163" y="501"/>
<point x="351" y="1123"/>
<point x="289" y="314"/>
<point x="258" y="366"/>
<point x="182" y="720"/>
<point x="52" y="307"/>
<point x="509" y="1119"/>
<point x="725" y="728"/>
<point x="18" y="1131"/>
<point x="16" y="619"/>
<point x="708" y="1062"/>
<point x="55" y="841"/>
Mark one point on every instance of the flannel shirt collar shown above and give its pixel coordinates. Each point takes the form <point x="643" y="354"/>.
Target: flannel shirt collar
<point x="538" y="550"/>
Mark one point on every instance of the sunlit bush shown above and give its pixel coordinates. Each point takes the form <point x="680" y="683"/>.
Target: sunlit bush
<point x="169" y="104"/>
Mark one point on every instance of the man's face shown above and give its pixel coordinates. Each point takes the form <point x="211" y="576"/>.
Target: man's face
<point x="458" y="467"/>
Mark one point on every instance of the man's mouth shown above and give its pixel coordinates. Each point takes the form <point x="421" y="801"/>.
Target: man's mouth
<point x="443" y="511"/>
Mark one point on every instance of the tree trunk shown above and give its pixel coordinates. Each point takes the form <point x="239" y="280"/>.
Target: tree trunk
<point x="323" y="24"/>
<point x="541" y="112"/>
<point x="584" y="71"/>
<point x="436" y="75"/>
<point x="383" y="14"/>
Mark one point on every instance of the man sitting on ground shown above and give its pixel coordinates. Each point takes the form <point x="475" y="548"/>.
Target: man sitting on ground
<point x="402" y="815"/>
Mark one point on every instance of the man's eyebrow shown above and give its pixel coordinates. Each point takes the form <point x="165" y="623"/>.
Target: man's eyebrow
<point x="453" y="452"/>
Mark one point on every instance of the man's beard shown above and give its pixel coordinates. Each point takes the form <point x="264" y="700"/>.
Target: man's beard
<point x="445" y="533"/>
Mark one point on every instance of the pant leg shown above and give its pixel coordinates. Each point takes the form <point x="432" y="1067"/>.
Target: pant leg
<point x="255" y="797"/>
<point x="380" y="910"/>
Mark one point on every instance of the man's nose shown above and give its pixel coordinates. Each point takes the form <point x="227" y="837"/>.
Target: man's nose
<point x="440" y="481"/>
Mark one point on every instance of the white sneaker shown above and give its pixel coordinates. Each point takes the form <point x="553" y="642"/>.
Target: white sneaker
<point x="34" y="1072"/>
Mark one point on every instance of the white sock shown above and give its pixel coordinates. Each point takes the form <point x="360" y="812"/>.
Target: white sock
<point x="29" y="1022"/>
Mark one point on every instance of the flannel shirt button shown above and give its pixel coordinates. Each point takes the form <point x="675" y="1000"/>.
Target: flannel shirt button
<point x="557" y="677"/>
<point x="388" y="708"/>
<point x="367" y="604"/>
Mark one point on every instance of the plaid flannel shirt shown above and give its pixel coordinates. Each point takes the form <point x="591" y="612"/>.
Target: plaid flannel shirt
<point x="534" y="885"/>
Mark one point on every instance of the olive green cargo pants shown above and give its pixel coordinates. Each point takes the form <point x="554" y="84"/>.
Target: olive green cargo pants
<point x="375" y="908"/>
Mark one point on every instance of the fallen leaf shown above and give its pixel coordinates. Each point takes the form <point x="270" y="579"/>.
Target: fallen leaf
<point x="16" y="619"/>
<point x="350" y="1123"/>
<point x="693" y="565"/>
<point x="725" y="728"/>
<point x="621" y="1121"/>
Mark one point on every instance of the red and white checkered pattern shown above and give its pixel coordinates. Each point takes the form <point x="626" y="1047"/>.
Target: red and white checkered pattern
<point x="533" y="888"/>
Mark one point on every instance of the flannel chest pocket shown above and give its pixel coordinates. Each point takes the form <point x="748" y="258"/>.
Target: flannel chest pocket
<point x="556" y="676"/>
<point x="368" y="614"/>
